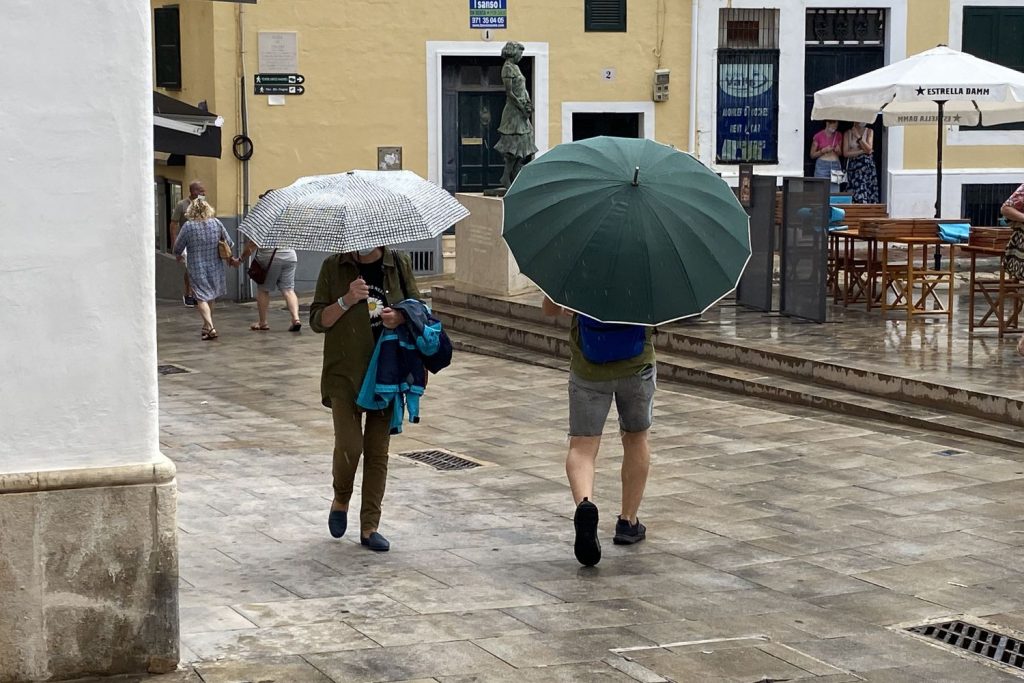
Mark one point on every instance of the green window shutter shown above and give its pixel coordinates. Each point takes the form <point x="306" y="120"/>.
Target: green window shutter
<point x="605" y="15"/>
<point x="167" y="34"/>
<point x="996" y="34"/>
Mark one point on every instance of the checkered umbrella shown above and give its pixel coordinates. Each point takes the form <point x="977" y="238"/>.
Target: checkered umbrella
<point x="354" y="210"/>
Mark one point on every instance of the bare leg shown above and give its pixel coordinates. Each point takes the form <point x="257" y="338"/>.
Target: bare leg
<point x="636" y="463"/>
<point x="292" y="302"/>
<point x="262" y="305"/>
<point x="579" y="466"/>
<point x="205" y="309"/>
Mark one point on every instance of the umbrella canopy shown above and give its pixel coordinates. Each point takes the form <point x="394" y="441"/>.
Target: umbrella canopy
<point x="937" y="87"/>
<point x="350" y="211"/>
<point x="626" y="230"/>
<point x="975" y="92"/>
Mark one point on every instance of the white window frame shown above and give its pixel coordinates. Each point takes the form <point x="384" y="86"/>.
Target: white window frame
<point x="792" y="29"/>
<point x="644" y="109"/>
<point x="955" y="136"/>
<point x="438" y="50"/>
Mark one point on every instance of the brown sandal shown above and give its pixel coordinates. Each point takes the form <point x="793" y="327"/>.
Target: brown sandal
<point x="259" y="327"/>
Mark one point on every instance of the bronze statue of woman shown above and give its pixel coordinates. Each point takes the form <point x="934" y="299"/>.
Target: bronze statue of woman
<point x="516" y="128"/>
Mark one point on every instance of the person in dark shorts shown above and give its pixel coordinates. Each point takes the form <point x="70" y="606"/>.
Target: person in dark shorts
<point x="593" y="384"/>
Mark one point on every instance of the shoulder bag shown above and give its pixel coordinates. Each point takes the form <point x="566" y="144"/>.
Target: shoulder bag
<point x="257" y="272"/>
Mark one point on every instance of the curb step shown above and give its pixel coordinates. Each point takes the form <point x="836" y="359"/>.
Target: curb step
<point x="688" y="340"/>
<point x="546" y="346"/>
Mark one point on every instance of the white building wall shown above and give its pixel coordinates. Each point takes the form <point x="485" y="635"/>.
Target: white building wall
<point x="77" y="321"/>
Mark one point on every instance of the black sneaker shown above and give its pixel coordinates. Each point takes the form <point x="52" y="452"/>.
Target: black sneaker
<point x="628" y="534"/>
<point x="587" y="547"/>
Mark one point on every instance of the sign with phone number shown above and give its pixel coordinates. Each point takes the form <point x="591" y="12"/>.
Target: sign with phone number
<point x="488" y="14"/>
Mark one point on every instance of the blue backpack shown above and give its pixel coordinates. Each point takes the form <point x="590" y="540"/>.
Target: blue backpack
<point x="608" y="342"/>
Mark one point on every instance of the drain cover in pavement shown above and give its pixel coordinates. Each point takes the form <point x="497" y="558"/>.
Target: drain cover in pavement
<point x="171" y="369"/>
<point x="977" y="640"/>
<point x="441" y="460"/>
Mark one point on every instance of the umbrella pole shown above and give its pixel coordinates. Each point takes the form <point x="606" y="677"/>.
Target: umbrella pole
<point x="938" y="178"/>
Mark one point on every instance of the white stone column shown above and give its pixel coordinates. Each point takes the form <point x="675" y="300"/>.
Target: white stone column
<point x="88" y="566"/>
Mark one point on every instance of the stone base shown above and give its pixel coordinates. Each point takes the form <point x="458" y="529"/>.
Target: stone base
<point x="483" y="262"/>
<point x="88" y="570"/>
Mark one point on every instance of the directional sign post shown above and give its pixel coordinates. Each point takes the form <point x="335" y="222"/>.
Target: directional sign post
<point x="279" y="84"/>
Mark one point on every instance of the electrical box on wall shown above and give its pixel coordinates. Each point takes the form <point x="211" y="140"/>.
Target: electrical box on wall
<point x="661" y="77"/>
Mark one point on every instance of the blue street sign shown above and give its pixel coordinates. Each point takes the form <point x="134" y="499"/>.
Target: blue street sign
<point x="488" y="14"/>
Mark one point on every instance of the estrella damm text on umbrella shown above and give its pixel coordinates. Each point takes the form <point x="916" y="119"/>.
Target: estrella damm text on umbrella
<point x="954" y="92"/>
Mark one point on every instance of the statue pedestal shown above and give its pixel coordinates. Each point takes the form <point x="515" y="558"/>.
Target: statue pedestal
<point x="483" y="262"/>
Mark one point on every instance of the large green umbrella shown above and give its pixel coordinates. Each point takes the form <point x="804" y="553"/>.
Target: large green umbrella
<point x="626" y="230"/>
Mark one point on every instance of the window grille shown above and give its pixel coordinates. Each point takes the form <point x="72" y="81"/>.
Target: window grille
<point x="845" y="26"/>
<point x="605" y="15"/>
<point x="752" y="29"/>
<point x="981" y="203"/>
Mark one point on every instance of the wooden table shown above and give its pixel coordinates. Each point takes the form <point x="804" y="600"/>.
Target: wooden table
<point x="905" y="280"/>
<point x="853" y="276"/>
<point x="995" y="292"/>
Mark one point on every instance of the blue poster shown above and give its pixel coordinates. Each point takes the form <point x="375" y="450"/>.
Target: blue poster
<point x="488" y="14"/>
<point x="747" y="111"/>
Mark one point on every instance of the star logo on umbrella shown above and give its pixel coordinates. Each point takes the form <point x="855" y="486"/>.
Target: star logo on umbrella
<point x="956" y="118"/>
<point x="920" y="91"/>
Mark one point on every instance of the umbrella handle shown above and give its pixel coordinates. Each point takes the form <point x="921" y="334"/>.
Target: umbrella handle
<point x="636" y="177"/>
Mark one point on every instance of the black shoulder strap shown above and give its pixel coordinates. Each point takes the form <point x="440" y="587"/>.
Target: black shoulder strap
<point x="401" y="277"/>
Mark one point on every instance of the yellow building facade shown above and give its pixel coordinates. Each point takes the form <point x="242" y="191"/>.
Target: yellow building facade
<point x="410" y="83"/>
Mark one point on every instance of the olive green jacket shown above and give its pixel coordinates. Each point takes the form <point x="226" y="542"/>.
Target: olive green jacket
<point x="348" y="344"/>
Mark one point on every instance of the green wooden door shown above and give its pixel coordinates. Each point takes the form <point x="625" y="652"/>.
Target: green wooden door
<point x="479" y="165"/>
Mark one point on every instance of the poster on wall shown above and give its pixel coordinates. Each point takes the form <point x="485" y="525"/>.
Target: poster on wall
<point x="487" y="14"/>
<point x="747" y="108"/>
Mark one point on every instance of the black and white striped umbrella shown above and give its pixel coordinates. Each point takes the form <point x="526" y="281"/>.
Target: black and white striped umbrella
<point x="350" y="211"/>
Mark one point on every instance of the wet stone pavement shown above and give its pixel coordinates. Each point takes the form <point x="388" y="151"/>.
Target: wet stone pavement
<point x="784" y="543"/>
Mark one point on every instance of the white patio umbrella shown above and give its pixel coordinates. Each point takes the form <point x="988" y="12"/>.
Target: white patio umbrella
<point x="938" y="87"/>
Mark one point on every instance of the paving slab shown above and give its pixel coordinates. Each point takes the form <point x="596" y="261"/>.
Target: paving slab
<point x="812" y="530"/>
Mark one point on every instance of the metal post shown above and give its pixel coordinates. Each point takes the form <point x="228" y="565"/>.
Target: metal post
<point x="938" y="179"/>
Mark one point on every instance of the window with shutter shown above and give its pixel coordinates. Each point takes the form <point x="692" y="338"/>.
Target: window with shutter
<point x="167" y="34"/>
<point x="605" y="15"/>
<point x="995" y="34"/>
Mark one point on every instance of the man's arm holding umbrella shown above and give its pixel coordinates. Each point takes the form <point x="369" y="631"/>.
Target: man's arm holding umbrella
<point x="327" y="310"/>
<point x="549" y="307"/>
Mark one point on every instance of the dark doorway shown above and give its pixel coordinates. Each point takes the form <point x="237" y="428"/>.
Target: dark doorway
<point x="830" y="64"/>
<point x="590" y="125"/>
<point x="472" y="99"/>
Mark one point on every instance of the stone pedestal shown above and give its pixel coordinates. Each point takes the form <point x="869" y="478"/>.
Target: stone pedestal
<point x="483" y="263"/>
<point x="89" y="568"/>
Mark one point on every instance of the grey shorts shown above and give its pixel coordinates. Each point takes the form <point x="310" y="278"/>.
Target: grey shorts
<point x="280" y="276"/>
<point x="589" y="403"/>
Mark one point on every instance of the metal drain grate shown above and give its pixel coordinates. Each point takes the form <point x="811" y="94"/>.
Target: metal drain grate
<point x="441" y="460"/>
<point x="975" y="639"/>
<point x="171" y="369"/>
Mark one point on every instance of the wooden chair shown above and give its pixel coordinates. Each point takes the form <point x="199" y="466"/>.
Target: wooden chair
<point x="996" y="290"/>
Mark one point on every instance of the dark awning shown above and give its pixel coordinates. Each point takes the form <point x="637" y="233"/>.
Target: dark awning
<point x="180" y="128"/>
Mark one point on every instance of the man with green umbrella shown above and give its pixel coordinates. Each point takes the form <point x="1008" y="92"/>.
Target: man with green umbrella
<point x="618" y="364"/>
<point x="635" y="234"/>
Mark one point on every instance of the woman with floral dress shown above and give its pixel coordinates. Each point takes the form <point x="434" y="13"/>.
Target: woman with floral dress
<point x="861" y="174"/>
<point x="1013" y="258"/>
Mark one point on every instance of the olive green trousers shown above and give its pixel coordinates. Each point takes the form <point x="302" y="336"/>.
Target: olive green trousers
<point x="351" y="440"/>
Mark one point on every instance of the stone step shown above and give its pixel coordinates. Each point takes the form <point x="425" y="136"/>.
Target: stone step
<point x="545" y="345"/>
<point x="513" y="312"/>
